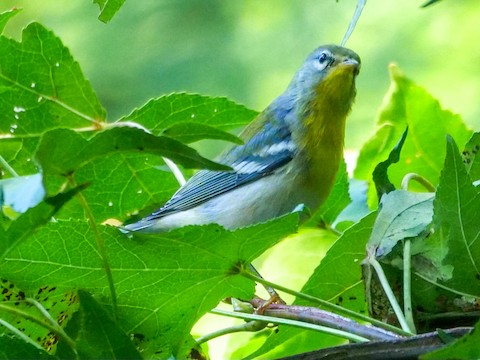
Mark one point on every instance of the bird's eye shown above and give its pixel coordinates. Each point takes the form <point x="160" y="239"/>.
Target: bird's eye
<point x="324" y="60"/>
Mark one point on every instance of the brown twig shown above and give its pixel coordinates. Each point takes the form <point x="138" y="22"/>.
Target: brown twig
<point x="320" y="317"/>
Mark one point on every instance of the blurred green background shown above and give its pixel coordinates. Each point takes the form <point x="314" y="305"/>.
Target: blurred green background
<point x="248" y="50"/>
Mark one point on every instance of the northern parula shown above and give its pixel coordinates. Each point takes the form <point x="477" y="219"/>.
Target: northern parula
<point x="290" y="156"/>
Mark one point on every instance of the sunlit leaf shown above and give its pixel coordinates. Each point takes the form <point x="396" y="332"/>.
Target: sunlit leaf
<point x="5" y="16"/>
<point x="471" y="156"/>
<point x="176" y="109"/>
<point x="407" y="104"/>
<point x="108" y="8"/>
<point x="189" y="270"/>
<point x="42" y="88"/>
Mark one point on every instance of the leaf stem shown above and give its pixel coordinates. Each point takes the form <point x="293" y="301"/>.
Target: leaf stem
<point x="423" y="277"/>
<point x="327" y="305"/>
<point x="390" y="295"/>
<point x="55" y="328"/>
<point x="418" y="178"/>
<point x="20" y="334"/>
<point x="407" y="285"/>
<point x="175" y="170"/>
<point x="101" y="249"/>
<point x="7" y="166"/>
<point x="353" y="22"/>
<point x="251" y="326"/>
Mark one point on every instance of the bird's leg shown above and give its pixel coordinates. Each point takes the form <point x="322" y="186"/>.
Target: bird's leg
<point x="274" y="297"/>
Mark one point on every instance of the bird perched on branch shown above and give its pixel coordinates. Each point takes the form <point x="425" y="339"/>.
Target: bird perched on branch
<point x="290" y="156"/>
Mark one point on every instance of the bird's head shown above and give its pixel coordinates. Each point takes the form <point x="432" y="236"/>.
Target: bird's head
<point x="328" y="72"/>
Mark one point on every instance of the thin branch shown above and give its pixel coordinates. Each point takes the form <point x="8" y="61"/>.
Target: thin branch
<point x="325" y="304"/>
<point x="251" y="326"/>
<point x="300" y="324"/>
<point x="399" y="349"/>
<point x="325" y="318"/>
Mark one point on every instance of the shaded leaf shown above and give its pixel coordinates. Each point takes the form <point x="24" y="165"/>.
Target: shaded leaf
<point x="465" y="348"/>
<point x="402" y="215"/>
<point x="456" y="209"/>
<point x="380" y="175"/>
<point x="12" y="348"/>
<point x="95" y="334"/>
<point x="59" y="305"/>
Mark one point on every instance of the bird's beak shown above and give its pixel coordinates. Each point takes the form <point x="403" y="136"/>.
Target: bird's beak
<point x="349" y="62"/>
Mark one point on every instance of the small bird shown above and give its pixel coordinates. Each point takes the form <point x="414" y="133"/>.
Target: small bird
<point x="290" y="156"/>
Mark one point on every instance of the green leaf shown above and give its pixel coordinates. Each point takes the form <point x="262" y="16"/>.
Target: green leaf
<point x="402" y="215"/>
<point x="59" y="305"/>
<point x="430" y="2"/>
<point x="380" y="175"/>
<point x="408" y="104"/>
<point x="23" y="227"/>
<point x="62" y="151"/>
<point x="337" y="279"/>
<point x="357" y="209"/>
<point x="12" y="348"/>
<point x="108" y="8"/>
<point x="188" y="270"/>
<point x="6" y="16"/>
<point x="465" y="348"/>
<point x="112" y="140"/>
<point x="337" y="200"/>
<point x="471" y="158"/>
<point x="456" y="209"/>
<point x="95" y="334"/>
<point x="188" y="132"/>
<point x="173" y="110"/>
<point x="42" y="88"/>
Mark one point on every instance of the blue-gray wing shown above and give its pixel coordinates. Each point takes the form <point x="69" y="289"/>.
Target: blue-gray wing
<point x="259" y="157"/>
